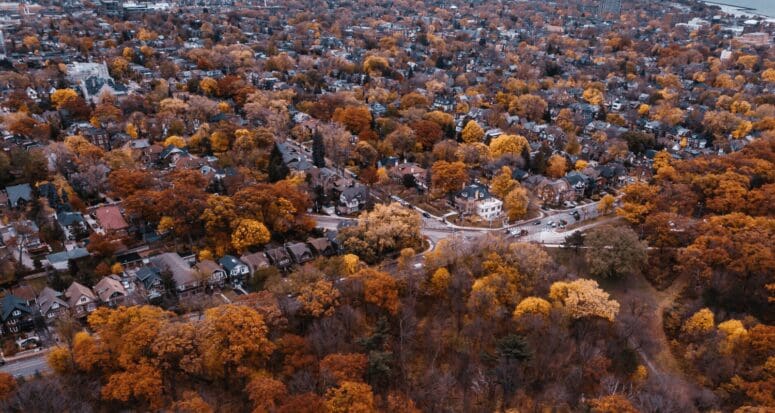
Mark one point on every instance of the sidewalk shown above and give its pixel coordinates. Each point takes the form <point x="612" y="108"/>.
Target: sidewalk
<point x="26" y="354"/>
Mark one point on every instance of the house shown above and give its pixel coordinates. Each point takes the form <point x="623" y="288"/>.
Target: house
<point x="300" y="252"/>
<point x="212" y="272"/>
<point x="51" y="304"/>
<point x="235" y="268"/>
<point x="554" y="192"/>
<point x="110" y="291"/>
<point x="60" y="260"/>
<point x="111" y="220"/>
<point x="150" y="279"/>
<point x="26" y="293"/>
<point x="279" y="257"/>
<point x="186" y="282"/>
<point x="410" y="168"/>
<point x="475" y="199"/>
<point x="353" y="199"/>
<point x="578" y="181"/>
<point x="256" y="261"/>
<point x="72" y="224"/>
<point x="322" y="246"/>
<point x="93" y="87"/>
<point x="80" y="299"/>
<point x="19" y="195"/>
<point x="16" y="315"/>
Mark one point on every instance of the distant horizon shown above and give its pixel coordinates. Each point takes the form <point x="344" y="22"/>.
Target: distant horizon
<point x="760" y="7"/>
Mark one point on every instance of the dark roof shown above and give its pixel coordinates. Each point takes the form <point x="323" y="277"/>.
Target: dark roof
<point x="229" y="262"/>
<point x="474" y="191"/>
<point x="10" y="302"/>
<point x="299" y="250"/>
<point x="359" y="192"/>
<point x="278" y="256"/>
<point x="17" y="192"/>
<point x="94" y="84"/>
<point x="69" y="218"/>
<point x="148" y="276"/>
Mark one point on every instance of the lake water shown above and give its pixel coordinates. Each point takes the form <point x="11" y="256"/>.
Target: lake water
<point x="766" y="7"/>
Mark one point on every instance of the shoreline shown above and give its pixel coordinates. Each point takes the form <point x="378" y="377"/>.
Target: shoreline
<point x="739" y="11"/>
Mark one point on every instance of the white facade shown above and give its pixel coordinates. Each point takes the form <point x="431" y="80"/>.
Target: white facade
<point x="489" y="209"/>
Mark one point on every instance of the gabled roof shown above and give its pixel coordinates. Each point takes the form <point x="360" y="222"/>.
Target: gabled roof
<point x="76" y="290"/>
<point x="67" y="219"/>
<point x="474" y="191"/>
<point x="17" y="192"/>
<point x="359" y="192"/>
<point x="256" y="261"/>
<point x="320" y="244"/>
<point x="108" y="287"/>
<point x="174" y="263"/>
<point x="48" y="297"/>
<point x="62" y="256"/>
<point x="110" y="218"/>
<point x="10" y="303"/>
<point x="298" y="250"/>
<point x="208" y="267"/>
<point x="229" y="262"/>
<point x="148" y="275"/>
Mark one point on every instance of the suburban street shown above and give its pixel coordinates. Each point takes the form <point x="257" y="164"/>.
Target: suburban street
<point x="538" y="229"/>
<point x="27" y="366"/>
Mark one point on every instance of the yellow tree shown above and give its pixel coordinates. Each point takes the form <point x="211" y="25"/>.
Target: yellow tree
<point x="661" y="160"/>
<point x="532" y="305"/>
<point x="191" y="403"/>
<point x="638" y="202"/>
<point x="350" y="397"/>
<point x="319" y="299"/>
<point x="233" y="339"/>
<point x="593" y="96"/>
<point x="557" y="166"/>
<point x="380" y="289"/>
<point x="447" y="177"/>
<point x="209" y="86"/>
<point x="508" y="145"/>
<point x="700" y="323"/>
<point x="503" y="183"/>
<point x="472" y="132"/>
<point x="748" y="61"/>
<point x="606" y="204"/>
<point x="584" y="298"/>
<point x="175" y="140"/>
<point x="62" y="97"/>
<point x="339" y="367"/>
<point x="439" y="281"/>
<point x="769" y="75"/>
<point x="516" y="202"/>
<point x="249" y="233"/>
<point x="265" y="392"/>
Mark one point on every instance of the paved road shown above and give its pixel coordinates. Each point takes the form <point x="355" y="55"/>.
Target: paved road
<point x="27" y="367"/>
<point x="538" y="229"/>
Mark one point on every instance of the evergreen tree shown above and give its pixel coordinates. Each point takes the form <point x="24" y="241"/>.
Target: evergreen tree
<point x="318" y="151"/>
<point x="277" y="168"/>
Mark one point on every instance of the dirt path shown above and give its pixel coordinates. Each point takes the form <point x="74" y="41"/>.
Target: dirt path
<point x="645" y="325"/>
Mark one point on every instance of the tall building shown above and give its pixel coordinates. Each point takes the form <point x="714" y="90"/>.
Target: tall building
<point x="610" y="6"/>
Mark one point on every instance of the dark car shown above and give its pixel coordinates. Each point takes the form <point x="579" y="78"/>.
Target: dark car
<point x="537" y="223"/>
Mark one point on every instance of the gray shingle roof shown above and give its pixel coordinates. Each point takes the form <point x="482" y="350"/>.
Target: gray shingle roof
<point x="17" y="192"/>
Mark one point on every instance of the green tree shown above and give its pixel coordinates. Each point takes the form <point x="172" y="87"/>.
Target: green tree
<point x="614" y="252"/>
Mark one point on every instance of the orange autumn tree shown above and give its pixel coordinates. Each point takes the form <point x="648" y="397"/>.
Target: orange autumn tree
<point x="233" y="341"/>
